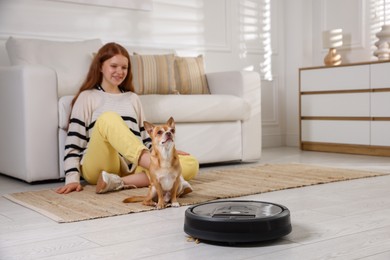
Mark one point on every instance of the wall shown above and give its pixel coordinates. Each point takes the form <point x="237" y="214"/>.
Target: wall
<point x="216" y="28"/>
<point x="355" y="18"/>
<point x="304" y="21"/>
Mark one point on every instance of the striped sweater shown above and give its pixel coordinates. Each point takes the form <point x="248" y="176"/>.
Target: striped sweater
<point x="89" y="106"/>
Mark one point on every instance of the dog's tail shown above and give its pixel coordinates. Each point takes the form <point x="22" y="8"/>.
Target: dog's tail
<point x="134" y="199"/>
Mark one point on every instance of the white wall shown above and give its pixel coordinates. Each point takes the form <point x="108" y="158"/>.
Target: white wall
<point x="215" y="28"/>
<point x="190" y="27"/>
<point x="305" y="20"/>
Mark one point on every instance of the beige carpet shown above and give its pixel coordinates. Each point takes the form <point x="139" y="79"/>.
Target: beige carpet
<point x="208" y="185"/>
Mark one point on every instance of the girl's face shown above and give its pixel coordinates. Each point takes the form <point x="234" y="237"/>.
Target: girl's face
<point x="114" y="71"/>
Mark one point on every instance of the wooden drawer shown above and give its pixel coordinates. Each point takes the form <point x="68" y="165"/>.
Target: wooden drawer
<point x="330" y="131"/>
<point x="345" y="105"/>
<point x="380" y="133"/>
<point x="336" y="78"/>
<point x="380" y="75"/>
<point x="380" y="104"/>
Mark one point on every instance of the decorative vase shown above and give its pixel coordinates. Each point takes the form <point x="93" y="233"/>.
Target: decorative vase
<point x="332" y="58"/>
<point x="383" y="51"/>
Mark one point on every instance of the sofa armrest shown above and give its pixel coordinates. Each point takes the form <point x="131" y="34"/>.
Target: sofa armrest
<point x="29" y="123"/>
<point x="247" y="85"/>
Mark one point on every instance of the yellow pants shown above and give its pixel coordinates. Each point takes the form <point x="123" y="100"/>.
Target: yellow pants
<point x="111" y="137"/>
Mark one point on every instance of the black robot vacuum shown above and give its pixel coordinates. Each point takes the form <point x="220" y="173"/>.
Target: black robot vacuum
<point x="237" y="221"/>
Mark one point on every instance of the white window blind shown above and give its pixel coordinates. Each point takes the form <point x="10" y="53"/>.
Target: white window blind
<point x="255" y="29"/>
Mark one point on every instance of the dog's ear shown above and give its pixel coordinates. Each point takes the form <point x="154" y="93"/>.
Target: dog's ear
<point x="148" y="127"/>
<point x="171" y="122"/>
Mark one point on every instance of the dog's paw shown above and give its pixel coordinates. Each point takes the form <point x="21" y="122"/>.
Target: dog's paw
<point x="160" y="205"/>
<point x="175" y="204"/>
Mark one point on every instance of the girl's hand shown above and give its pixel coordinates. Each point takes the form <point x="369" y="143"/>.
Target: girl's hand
<point x="68" y="188"/>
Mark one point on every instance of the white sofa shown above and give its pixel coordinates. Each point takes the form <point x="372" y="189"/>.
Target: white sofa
<point x="37" y="86"/>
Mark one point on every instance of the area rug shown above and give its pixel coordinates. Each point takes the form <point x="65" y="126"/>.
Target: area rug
<point x="208" y="185"/>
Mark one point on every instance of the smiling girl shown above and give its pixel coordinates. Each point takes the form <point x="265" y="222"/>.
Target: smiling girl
<point x="107" y="144"/>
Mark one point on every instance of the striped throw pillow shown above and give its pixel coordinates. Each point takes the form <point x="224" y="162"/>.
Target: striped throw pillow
<point x="190" y="76"/>
<point x="153" y="74"/>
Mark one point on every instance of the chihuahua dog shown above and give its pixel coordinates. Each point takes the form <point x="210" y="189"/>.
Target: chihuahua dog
<point x="166" y="180"/>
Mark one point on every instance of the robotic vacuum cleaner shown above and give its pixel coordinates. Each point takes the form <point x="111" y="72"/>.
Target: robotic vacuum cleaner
<point x="237" y="221"/>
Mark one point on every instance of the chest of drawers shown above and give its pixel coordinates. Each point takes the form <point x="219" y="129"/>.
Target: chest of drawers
<point x="346" y="108"/>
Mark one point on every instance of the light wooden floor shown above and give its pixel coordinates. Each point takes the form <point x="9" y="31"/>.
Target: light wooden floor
<point x="343" y="220"/>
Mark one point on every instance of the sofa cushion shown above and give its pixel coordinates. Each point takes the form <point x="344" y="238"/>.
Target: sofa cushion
<point x="70" y="60"/>
<point x="183" y="108"/>
<point x="153" y="74"/>
<point x="190" y="76"/>
<point x="194" y="108"/>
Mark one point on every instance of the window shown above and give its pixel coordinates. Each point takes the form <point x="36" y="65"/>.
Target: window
<point x="255" y="33"/>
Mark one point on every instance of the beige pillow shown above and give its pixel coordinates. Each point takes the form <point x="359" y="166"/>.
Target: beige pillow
<point x="190" y="76"/>
<point x="153" y="74"/>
